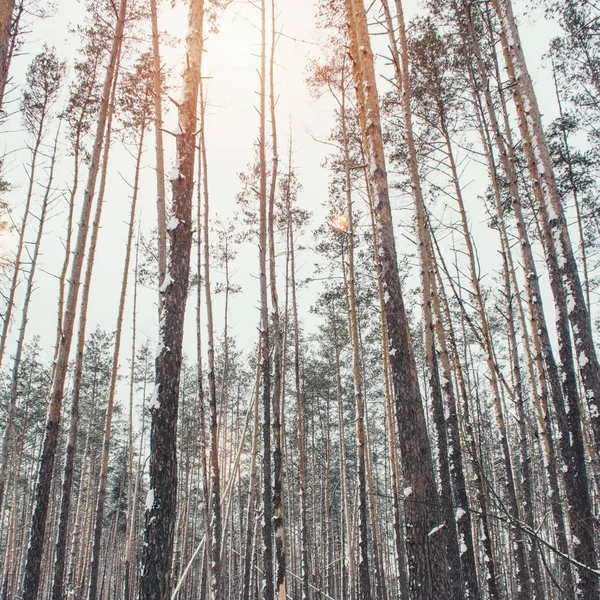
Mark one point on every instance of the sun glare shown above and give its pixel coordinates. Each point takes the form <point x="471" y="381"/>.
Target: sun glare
<point x="339" y="222"/>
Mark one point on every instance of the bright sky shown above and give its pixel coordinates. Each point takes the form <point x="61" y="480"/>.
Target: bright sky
<point x="231" y="62"/>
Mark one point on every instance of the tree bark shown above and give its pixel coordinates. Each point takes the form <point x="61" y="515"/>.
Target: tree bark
<point x="278" y="502"/>
<point x="161" y="504"/>
<point x="215" y="475"/>
<point x="160" y="152"/>
<point x="38" y="524"/>
<point x="12" y="403"/>
<point x="427" y="558"/>
<point x="577" y="310"/>
<point x="6" y="18"/>
<point x="63" y="528"/>
<point x="99" y="518"/>
<point x="267" y="516"/>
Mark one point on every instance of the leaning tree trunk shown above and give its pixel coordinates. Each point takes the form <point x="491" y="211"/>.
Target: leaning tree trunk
<point x="569" y="415"/>
<point x="526" y="482"/>
<point x="99" y="518"/>
<point x="449" y="531"/>
<point x="399" y="547"/>
<point x="46" y="467"/>
<point x="21" y="243"/>
<point x="12" y="403"/>
<point x="578" y="312"/>
<point x="575" y="477"/>
<point x="63" y="524"/>
<point x="427" y="558"/>
<point x="161" y="513"/>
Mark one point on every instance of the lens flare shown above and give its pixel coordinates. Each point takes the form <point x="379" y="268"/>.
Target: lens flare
<point x="339" y="222"/>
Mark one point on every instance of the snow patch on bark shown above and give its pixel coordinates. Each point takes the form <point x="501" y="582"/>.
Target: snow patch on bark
<point x="153" y="404"/>
<point x="150" y="499"/>
<point x="436" y="529"/>
<point x="166" y="283"/>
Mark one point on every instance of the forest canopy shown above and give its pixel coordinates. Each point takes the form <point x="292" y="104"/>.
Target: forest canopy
<point x="299" y="300"/>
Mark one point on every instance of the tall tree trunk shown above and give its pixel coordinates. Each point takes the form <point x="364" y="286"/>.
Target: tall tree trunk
<point x="304" y="538"/>
<point x="160" y="152"/>
<point x="526" y="483"/>
<point x="200" y="374"/>
<point x="130" y="524"/>
<point x="577" y="310"/>
<point x="427" y="558"/>
<point x="46" y="467"/>
<point x="449" y="531"/>
<point x="392" y="432"/>
<point x="267" y="516"/>
<point x="21" y="243"/>
<point x="575" y="478"/>
<point x="364" y="579"/>
<point x="77" y="159"/>
<point x="215" y="476"/>
<point x="250" y="519"/>
<point x="12" y="403"/>
<point x="278" y="515"/>
<point x="161" y="504"/>
<point x="99" y="518"/>
<point x="63" y="528"/>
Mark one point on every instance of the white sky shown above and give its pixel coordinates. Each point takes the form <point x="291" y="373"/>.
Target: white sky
<point x="231" y="61"/>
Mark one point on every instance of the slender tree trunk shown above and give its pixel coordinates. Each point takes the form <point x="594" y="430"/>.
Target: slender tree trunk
<point x="46" y="467"/>
<point x="215" y="476"/>
<point x="350" y="285"/>
<point x="304" y="538"/>
<point x="364" y="580"/>
<point x="99" y="519"/>
<point x="526" y="483"/>
<point x="63" y="528"/>
<point x="77" y="151"/>
<point x="130" y="508"/>
<point x="250" y="518"/>
<point x="267" y="516"/>
<point x="20" y="245"/>
<point x="12" y="403"/>
<point x="576" y="200"/>
<point x="200" y="374"/>
<point x="160" y="152"/>
<point x="278" y="505"/>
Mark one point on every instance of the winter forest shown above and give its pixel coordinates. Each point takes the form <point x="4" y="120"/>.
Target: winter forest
<point x="299" y="299"/>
